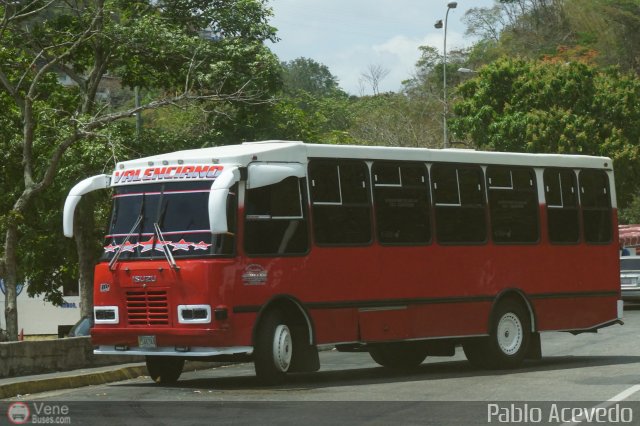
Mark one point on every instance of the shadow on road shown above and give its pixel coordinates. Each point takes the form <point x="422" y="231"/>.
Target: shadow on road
<point x="378" y="375"/>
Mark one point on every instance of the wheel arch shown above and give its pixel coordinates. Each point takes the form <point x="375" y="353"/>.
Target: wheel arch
<point x="518" y="296"/>
<point x="294" y="311"/>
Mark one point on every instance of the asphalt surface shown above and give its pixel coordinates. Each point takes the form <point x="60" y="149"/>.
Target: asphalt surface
<point x="595" y="371"/>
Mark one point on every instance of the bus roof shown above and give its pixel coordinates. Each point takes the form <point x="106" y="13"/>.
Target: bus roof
<point x="296" y="151"/>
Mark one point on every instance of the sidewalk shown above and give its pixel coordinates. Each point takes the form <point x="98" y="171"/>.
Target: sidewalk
<point x="24" y="385"/>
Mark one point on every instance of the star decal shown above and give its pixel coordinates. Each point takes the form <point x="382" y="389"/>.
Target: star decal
<point x="160" y="245"/>
<point x="111" y="248"/>
<point x="130" y="247"/>
<point x="200" y="246"/>
<point x="181" y="245"/>
<point x="146" y="245"/>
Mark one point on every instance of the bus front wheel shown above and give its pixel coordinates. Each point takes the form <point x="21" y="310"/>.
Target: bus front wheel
<point x="274" y="348"/>
<point x="397" y="356"/>
<point x="508" y="340"/>
<point x="164" y="370"/>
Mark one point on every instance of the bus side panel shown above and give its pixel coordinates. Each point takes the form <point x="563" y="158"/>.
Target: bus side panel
<point x="335" y="325"/>
<point x="265" y="280"/>
<point x="574" y="313"/>
<point x="384" y="324"/>
<point x="450" y="319"/>
<point x="342" y="280"/>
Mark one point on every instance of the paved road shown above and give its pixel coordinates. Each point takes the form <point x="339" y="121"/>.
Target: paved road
<point x="586" y="370"/>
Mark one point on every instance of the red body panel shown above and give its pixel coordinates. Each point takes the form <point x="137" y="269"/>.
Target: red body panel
<point x="373" y="293"/>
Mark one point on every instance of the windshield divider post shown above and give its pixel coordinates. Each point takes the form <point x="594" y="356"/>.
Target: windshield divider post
<point x="165" y="249"/>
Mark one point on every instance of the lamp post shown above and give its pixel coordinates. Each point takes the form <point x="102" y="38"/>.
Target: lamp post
<point x="438" y="25"/>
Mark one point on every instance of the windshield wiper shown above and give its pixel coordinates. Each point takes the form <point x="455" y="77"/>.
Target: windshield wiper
<point x="113" y="261"/>
<point x="165" y="249"/>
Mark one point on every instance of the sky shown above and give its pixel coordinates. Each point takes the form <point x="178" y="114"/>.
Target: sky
<point x="350" y="35"/>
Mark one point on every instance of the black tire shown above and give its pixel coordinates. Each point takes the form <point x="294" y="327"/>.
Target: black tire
<point x="508" y="341"/>
<point x="398" y="356"/>
<point x="164" y="370"/>
<point x="273" y="349"/>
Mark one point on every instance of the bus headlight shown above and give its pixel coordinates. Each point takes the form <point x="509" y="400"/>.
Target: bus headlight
<point x="106" y="315"/>
<point x="194" y="314"/>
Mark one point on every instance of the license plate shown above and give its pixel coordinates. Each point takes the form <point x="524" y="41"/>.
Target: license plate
<point x="147" y="341"/>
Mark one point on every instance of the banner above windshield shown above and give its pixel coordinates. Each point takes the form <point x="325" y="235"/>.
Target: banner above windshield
<point x="166" y="173"/>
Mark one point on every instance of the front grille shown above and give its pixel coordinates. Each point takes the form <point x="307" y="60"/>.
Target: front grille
<point x="147" y="307"/>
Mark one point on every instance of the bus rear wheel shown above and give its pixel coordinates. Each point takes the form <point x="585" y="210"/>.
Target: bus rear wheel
<point x="508" y="340"/>
<point x="274" y="348"/>
<point x="164" y="370"/>
<point x="398" y="356"/>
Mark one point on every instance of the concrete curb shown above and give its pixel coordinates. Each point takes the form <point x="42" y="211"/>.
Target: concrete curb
<point x="69" y="380"/>
<point x="36" y="385"/>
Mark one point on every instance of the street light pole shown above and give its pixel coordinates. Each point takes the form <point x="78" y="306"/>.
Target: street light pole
<point x="450" y="5"/>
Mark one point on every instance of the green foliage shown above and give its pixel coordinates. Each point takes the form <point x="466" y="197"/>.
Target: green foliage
<point x="541" y="28"/>
<point x="196" y="45"/>
<point x="394" y="119"/>
<point x="307" y="75"/>
<point x="530" y="28"/>
<point x="295" y="116"/>
<point x="309" y="107"/>
<point x="608" y="27"/>
<point x="631" y="213"/>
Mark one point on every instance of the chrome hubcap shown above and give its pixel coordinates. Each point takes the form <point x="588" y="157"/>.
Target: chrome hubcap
<point x="282" y="348"/>
<point x="510" y="333"/>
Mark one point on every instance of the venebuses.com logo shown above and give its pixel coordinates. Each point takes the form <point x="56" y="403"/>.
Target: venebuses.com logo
<point x="20" y="413"/>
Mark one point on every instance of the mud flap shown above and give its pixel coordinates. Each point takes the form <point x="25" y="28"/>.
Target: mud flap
<point x="535" y="347"/>
<point x="305" y="359"/>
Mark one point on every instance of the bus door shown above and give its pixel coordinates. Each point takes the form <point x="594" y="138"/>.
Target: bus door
<point x="275" y="233"/>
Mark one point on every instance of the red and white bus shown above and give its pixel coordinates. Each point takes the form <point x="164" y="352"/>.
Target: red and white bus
<point x="264" y="250"/>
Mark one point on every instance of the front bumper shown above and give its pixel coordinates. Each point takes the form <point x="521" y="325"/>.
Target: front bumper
<point x="172" y="351"/>
<point x="165" y="337"/>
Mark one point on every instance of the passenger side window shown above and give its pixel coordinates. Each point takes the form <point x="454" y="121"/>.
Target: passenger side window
<point x="401" y="194"/>
<point x="458" y="193"/>
<point x="595" y="197"/>
<point x="275" y="219"/>
<point x="561" y="192"/>
<point x="340" y="202"/>
<point x="513" y="204"/>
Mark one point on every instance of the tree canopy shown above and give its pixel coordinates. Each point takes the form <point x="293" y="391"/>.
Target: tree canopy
<point x="304" y="74"/>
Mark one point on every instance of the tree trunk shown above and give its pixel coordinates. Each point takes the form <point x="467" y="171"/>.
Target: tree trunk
<point x="11" y="280"/>
<point x="87" y="256"/>
<point x="11" y="260"/>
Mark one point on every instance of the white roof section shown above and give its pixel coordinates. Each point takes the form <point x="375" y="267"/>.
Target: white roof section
<point x="296" y="151"/>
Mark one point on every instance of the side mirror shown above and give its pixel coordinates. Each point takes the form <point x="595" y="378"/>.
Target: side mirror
<point x="218" y="199"/>
<point x="88" y="185"/>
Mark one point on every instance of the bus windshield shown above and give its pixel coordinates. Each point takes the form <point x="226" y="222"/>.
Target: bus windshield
<point x="180" y="211"/>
